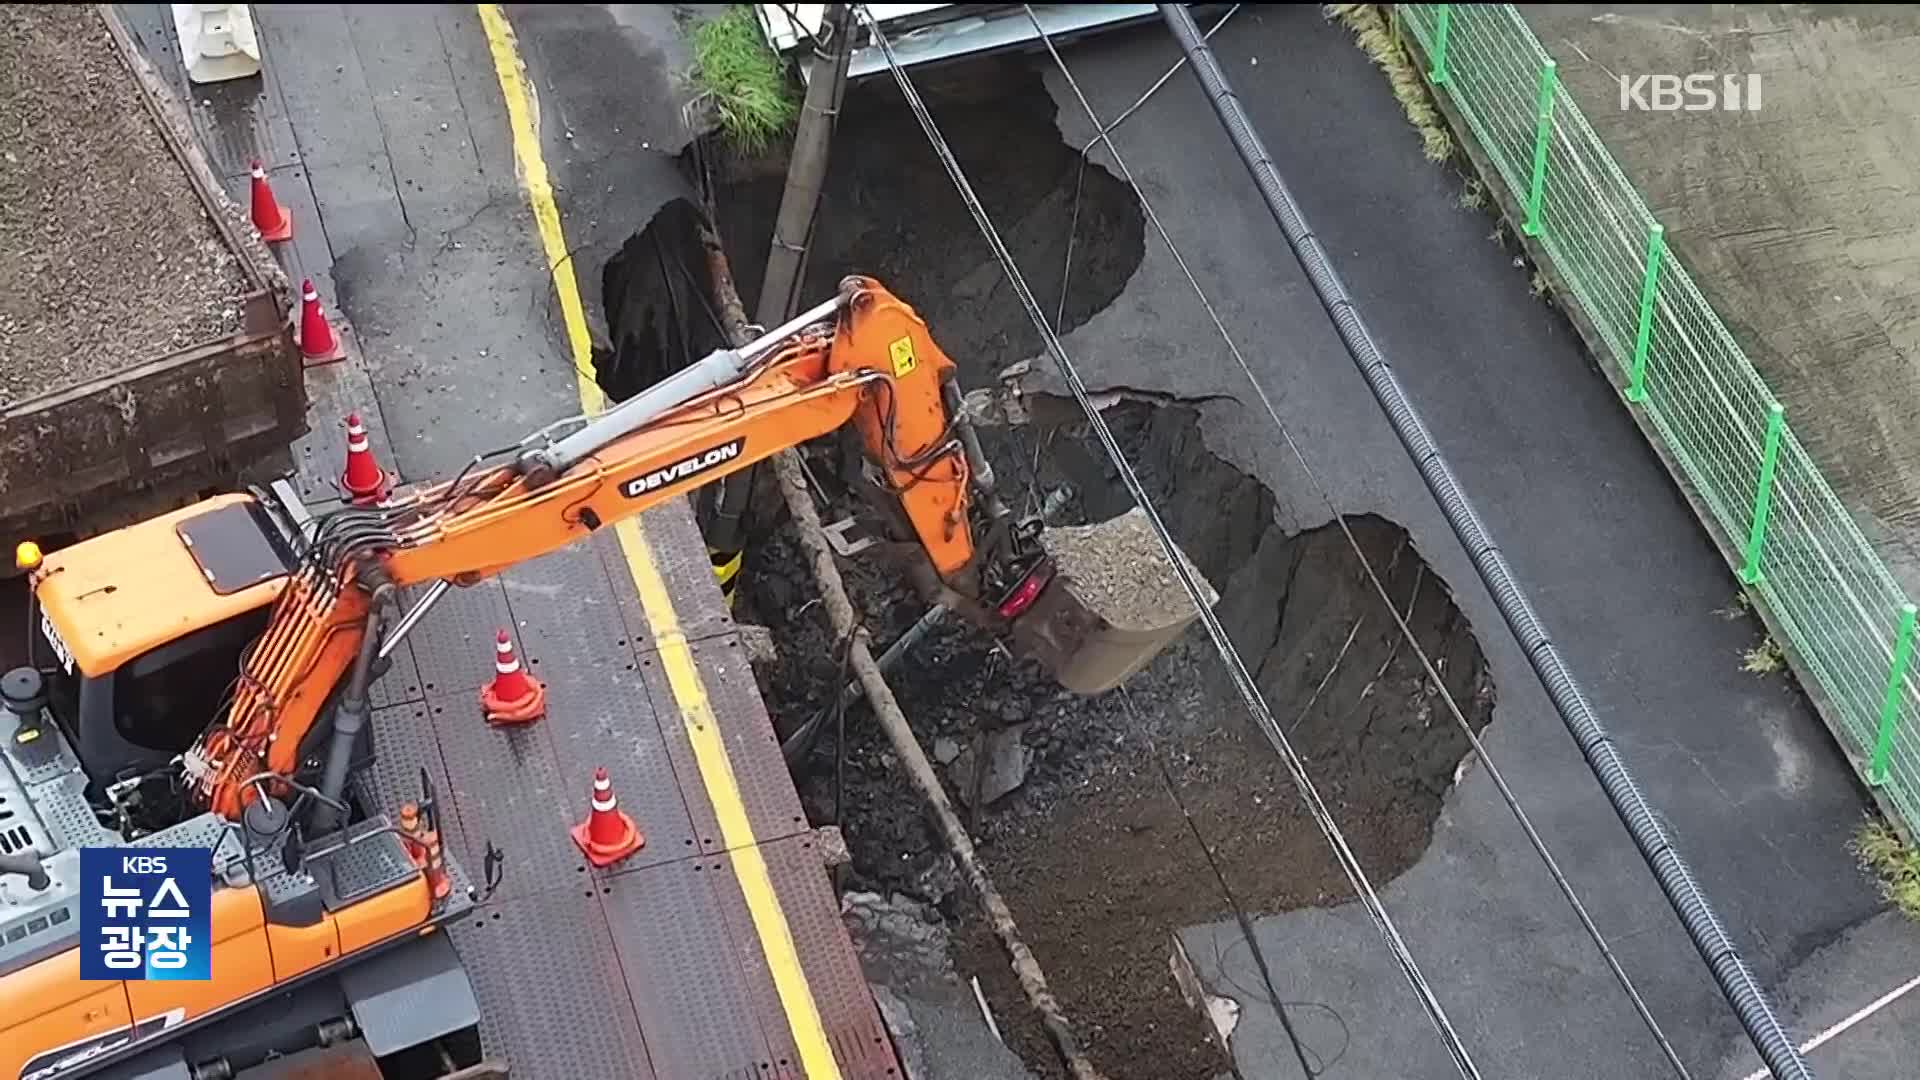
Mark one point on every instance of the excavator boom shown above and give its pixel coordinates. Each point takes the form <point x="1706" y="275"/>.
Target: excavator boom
<point x="863" y="357"/>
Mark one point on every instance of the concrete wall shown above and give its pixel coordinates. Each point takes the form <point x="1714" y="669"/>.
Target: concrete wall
<point x="1800" y="222"/>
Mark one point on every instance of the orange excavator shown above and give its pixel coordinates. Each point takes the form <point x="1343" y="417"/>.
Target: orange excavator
<point x="131" y="727"/>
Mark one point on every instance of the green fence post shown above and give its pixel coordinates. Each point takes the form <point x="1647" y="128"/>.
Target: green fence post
<point x="1763" y="498"/>
<point x="1649" y="284"/>
<point x="1543" y="132"/>
<point x="1890" y="705"/>
<point x="1442" y="22"/>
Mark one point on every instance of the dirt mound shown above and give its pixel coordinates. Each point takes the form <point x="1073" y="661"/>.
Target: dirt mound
<point x="110" y="257"/>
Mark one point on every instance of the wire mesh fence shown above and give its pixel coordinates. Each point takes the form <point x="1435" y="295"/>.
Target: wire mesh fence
<point x="1794" y="544"/>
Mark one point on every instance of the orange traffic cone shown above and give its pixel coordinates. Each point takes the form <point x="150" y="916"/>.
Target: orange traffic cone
<point x="317" y="342"/>
<point x="513" y="697"/>
<point x="608" y="835"/>
<point x="365" y="481"/>
<point x="272" y="219"/>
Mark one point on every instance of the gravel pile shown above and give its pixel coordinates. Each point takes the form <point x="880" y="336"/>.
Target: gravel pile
<point x="1121" y="572"/>
<point x="107" y="256"/>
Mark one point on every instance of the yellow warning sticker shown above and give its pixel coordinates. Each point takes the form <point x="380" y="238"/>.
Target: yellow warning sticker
<point x="903" y="361"/>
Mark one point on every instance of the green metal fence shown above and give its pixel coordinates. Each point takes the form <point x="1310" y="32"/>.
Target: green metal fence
<point x="1797" y="548"/>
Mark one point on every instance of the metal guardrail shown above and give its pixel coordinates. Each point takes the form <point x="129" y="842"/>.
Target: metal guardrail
<point x="1794" y="545"/>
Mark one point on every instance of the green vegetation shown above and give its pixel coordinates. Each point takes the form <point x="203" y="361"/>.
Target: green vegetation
<point x="1764" y="658"/>
<point x="1881" y="851"/>
<point x="1740" y="607"/>
<point x="1369" y="28"/>
<point x="742" y="80"/>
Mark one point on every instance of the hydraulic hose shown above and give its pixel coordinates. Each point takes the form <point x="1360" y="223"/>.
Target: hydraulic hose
<point x="1609" y="766"/>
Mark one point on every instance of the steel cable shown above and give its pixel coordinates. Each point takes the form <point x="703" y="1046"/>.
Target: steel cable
<point x="1453" y="707"/>
<point x="1603" y="756"/>
<point x="1237" y="669"/>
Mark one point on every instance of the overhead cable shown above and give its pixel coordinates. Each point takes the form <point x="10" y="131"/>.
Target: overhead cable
<point x="1237" y="669"/>
<point x="1540" y="848"/>
<point x="1609" y="766"/>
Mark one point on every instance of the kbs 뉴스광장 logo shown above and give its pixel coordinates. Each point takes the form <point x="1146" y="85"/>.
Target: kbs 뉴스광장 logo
<point x="145" y="913"/>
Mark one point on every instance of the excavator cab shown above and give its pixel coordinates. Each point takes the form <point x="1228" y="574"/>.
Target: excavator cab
<point x="138" y="636"/>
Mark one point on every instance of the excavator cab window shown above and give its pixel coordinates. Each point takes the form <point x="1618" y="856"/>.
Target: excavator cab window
<point x="139" y="717"/>
<point x="164" y="699"/>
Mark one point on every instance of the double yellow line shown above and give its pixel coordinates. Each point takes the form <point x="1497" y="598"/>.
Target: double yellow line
<point x="676" y="657"/>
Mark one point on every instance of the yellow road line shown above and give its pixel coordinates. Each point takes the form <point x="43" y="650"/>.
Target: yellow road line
<point x="676" y="657"/>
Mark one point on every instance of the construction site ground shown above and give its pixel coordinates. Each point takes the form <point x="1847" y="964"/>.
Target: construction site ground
<point x="717" y="950"/>
<point x="1148" y="818"/>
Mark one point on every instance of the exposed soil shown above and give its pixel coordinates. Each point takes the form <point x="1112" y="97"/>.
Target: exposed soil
<point x="1143" y="810"/>
<point x="110" y="257"/>
<point x="1157" y="806"/>
<point x="888" y="210"/>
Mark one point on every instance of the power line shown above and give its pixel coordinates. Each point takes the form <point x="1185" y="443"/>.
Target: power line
<point x="1493" y="772"/>
<point x="1690" y="904"/>
<point x="1243" y="680"/>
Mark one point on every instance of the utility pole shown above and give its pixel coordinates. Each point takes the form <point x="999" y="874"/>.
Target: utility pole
<point x="807" y="170"/>
<point x="787" y="258"/>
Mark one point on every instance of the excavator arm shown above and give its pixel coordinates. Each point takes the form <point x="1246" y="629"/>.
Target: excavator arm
<point x="864" y="357"/>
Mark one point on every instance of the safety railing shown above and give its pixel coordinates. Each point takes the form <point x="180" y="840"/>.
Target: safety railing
<point x="1795" y="546"/>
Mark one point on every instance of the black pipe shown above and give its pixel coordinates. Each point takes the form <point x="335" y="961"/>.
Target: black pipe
<point x="1609" y="766"/>
<point x="349" y="717"/>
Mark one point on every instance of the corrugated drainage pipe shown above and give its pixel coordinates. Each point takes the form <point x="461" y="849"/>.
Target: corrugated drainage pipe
<point x="1676" y="880"/>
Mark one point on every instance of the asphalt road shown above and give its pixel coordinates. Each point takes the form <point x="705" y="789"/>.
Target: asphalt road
<point x="1749" y="780"/>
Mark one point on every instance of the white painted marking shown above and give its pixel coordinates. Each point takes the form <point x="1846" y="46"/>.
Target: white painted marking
<point x="1824" y="1037"/>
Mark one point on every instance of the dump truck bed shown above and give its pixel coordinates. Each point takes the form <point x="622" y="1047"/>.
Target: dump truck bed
<point x="144" y="327"/>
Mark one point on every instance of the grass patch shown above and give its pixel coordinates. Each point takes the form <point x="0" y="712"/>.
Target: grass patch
<point x="1739" y="608"/>
<point x="1764" y="658"/>
<point x="1881" y="851"/>
<point x="742" y="80"/>
<point x="1369" y="28"/>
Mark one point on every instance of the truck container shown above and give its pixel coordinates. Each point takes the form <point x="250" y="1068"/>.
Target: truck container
<point x="146" y="341"/>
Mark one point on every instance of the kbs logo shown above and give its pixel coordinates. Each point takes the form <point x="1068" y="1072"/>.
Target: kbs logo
<point x="1690" y="93"/>
<point x="145" y="913"/>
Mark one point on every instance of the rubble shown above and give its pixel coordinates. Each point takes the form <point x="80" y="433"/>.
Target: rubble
<point x="1121" y="571"/>
<point x="1007" y="759"/>
<point x="945" y="749"/>
<point x="931" y="1012"/>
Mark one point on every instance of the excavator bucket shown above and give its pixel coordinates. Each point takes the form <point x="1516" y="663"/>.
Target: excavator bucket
<point x="1114" y="603"/>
